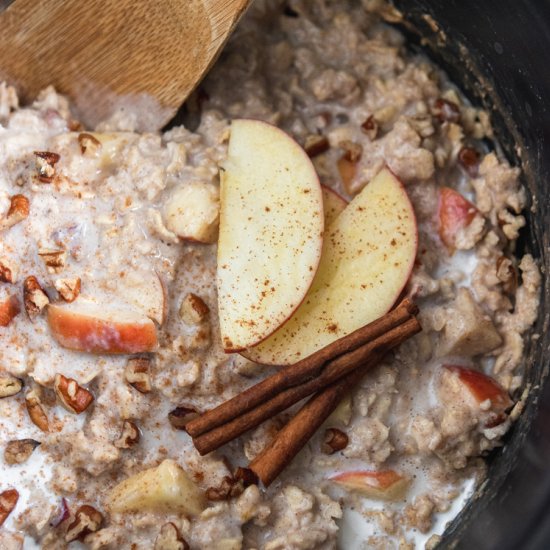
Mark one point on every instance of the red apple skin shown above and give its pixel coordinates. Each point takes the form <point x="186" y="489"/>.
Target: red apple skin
<point x="455" y="213"/>
<point x="9" y="309"/>
<point x="380" y="484"/>
<point x="483" y="387"/>
<point x="79" y="332"/>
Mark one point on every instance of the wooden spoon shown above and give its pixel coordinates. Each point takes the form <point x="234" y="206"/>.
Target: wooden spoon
<point x="143" y="56"/>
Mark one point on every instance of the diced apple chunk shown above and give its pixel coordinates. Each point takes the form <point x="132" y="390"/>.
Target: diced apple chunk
<point x="455" y="213"/>
<point x="271" y="232"/>
<point x="368" y="254"/>
<point x="98" y="328"/>
<point x="379" y="485"/>
<point x="166" y="489"/>
<point x="144" y="290"/>
<point x="192" y="212"/>
<point x="468" y="330"/>
<point x="333" y="204"/>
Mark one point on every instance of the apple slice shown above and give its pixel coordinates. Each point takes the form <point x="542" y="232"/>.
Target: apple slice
<point x="95" y="328"/>
<point x="271" y="232"/>
<point x="380" y="485"/>
<point x="481" y="386"/>
<point x="9" y="308"/>
<point x="455" y="213"/>
<point x="368" y="254"/>
<point x="145" y="291"/>
<point x="192" y="212"/>
<point x="333" y="204"/>
<point x="166" y="488"/>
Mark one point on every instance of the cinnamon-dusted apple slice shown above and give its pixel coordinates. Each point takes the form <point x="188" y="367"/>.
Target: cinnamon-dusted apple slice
<point x="99" y="328"/>
<point x="380" y="485"/>
<point x="333" y="204"/>
<point x="368" y="254"/>
<point x="271" y="232"/>
<point x="145" y="291"/>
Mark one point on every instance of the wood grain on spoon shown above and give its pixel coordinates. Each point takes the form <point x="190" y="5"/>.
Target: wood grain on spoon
<point x="106" y="54"/>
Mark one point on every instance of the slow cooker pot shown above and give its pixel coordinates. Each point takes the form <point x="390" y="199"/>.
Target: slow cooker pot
<point x="497" y="52"/>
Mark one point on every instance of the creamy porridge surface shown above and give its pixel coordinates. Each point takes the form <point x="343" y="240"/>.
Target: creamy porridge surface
<point x="106" y="216"/>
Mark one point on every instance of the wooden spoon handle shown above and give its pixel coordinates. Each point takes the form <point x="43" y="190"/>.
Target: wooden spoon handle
<point x="106" y="54"/>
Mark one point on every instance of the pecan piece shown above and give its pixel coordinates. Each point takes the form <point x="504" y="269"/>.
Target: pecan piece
<point x="54" y="259"/>
<point x="45" y="164"/>
<point x="87" y="520"/>
<point x="193" y="310"/>
<point x="71" y="395"/>
<point x="8" y="271"/>
<point x="8" y="500"/>
<point x="446" y="111"/>
<point x="69" y="289"/>
<point x="89" y="145"/>
<point x="34" y="297"/>
<point x="19" y="450"/>
<point x="169" y="538"/>
<point x="9" y="385"/>
<point x="352" y="151"/>
<point x="36" y="411"/>
<point x="316" y="145"/>
<point x="137" y="373"/>
<point x="19" y="210"/>
<point x="9" y="309"/>
<point x="335" y="440"/>
<point x="468" y="158"/>
<point x="228" y="488"/>
<point x="129" y="437"/>
<point x="179" y="416"/>
<point x="370" y="127"/>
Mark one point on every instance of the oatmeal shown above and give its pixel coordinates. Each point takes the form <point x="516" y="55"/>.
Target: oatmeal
<point x="109" y="327"/>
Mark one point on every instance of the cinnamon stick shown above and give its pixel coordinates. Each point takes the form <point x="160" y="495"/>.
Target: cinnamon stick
<point x="296" y="433"/>
<point x="333" y="371"/>
<point x="293" y="375"/>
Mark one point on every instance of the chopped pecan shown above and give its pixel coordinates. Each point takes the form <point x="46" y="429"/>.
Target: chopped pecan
<point x="352" y="150"/>
<point x="193" y="310"/>
<point x="69" y="289"/>
<point x="36" y="411"/>
<point x="335" y="440"/>
<point x="446" y="111"/>
<point x="89" y="145"/>
<point x="169" y="538"/>
<point x="179" y="416"/>
<point x="9" y="309"/>
<point x="228" y="488"/>
<point x="370" y="127"/>
<point x="87" y="520"/>
<point x="9" y="385"/>
<point x="129" y="437"/>
<point x="71" y="395"/>
<point x="54" y="259"/>
<point x="316" y="145"/>
<point x="45" y="164"/>
<point x="19" y="450"/>
<point x="137" y="373"/>
<point x="34" y="297"/>
<point x="8" y="500"/>
<point x="468" y="158"/>
<point x="8" y="271"/>
<point x="19" y="210"/>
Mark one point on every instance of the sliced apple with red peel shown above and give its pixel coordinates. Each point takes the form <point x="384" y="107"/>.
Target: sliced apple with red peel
<point x="97" y="328"/>
<point x="271" y="232"/>
<point x="145" y="291"/>
<point x="9" y="309"/>
<point x="455" y="213"/>
<point x="333" y="204"/>
<point x="482" y="388"/>
<point x="380" y="485"/>
<point x="368" y="255"/>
